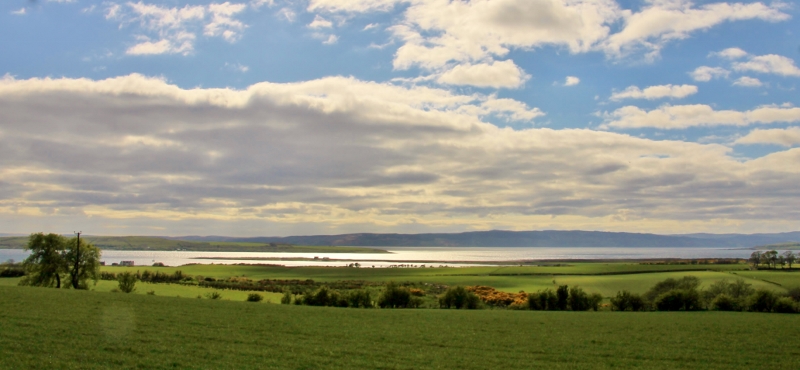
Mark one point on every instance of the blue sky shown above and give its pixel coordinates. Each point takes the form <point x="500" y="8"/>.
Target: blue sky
<point x="332" y="116"/>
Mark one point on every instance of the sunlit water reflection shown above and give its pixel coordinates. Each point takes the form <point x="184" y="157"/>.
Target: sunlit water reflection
<point x="450" y="256"/>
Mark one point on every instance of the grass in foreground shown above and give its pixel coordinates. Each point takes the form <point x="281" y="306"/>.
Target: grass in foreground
<point x="46" y="328"/>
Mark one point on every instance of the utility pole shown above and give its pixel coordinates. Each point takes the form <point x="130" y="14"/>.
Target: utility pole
<point x="77" y="261"/>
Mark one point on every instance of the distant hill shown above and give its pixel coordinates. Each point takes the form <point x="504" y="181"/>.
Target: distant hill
<point x="497" y="238"/>
<point x="159" y="244"/>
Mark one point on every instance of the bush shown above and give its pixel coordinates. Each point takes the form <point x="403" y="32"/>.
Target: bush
<point x="152" y="292"/>
<point x="459" y="297"/>
<point x="686" y="283"/>
<point x="724" y="302"/>
<point x="255" y="297"/>
<point x="794" y="294"/>
<point x="678" y="299"/>
<point x="213" y="295"/>
<point x="127" y="282"/>
<point x="395" y="296"/>
<point x="594" y="301"/>
<point x="287" y="297"/>
<point x="784" y="305"/>
<point x="627" y="301"/>
<point x="562" y="294"/>
<point x="762" y="301"/>
<point x="359" y="298"/>
<point x="543" y="300"/>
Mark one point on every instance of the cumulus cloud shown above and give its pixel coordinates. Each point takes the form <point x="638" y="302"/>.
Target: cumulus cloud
<point x="437" y="32"/>
<point x="706" y="73"/>
<point x="786" y="137"/>
<point x="339" y="151"/>
<point x="571" y="81"/>
<point x="503" y="74"/>
<point x="748" y="82"/>
<point x="731" y="53"/>
<point x="174" y="30"/>
<point x="21" y="11"/>
<point x="775" y="64"/>
<point x="655" y="92"/>
<point x="320" y="22"/>
<point x="684" y="116"/>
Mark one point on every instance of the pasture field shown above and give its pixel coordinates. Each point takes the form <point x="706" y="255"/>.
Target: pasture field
<point x="44" y="328"/>
<point x="604" y="278"/>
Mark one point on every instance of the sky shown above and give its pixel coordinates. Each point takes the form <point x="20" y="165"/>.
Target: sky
<point x="298" y="117"/>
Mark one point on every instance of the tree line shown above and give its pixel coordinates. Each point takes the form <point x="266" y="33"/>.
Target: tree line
<point x="772" y="259"/>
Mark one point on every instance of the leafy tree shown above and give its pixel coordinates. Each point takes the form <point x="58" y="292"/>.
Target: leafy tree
<point x="395" y="296"/>
<point x="127" y="282"/>
<point x="762" y="301"/>
<point x="789" y="257"/>
<point x="784" y="305"/>
<point x="46" y="264"/>
<point x="678" y="299"/>
<point x="359" y="298"/>
<point x="685" y="283"/>
<point x="627" y="301"/>
<point x="724" y="302"/>
<point x="459" y="297"/>
<point x="83" y="260"/>
<point x="562" y="293"/>
<point x="755" y="259"/>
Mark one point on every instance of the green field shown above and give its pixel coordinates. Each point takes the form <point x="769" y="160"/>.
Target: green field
<point x="603" y="278"/>
<point x="47" y="328"/>
<point x="161" y="244"/>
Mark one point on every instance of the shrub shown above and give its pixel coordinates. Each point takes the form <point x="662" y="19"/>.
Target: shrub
<point x="784" y="305"/>
<point x="678" y="299"/>
<point x="395" y="296"/>
<point x="724" y="302"/>
<point x="762" y="301"/>
<point x="152" y="292"/>
<point x="627" y="301"/>
<point x="686" y="283"/>
<point x="287" y="297"/>
<point x="213" y="295"/>
<point x="255" y="297"/>
<point x="11" y="272"/>
<point x="458" y="297"/>
<point x="579" y="300"/>
<point x="562" y="294"/>
<point x="794" y="293"/>
<point x="594" y="301"/>
<point x="359" y="298"/>
<point x="127" y="282"/>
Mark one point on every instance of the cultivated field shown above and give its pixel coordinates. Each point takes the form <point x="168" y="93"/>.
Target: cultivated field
<point x="48" y="328"/>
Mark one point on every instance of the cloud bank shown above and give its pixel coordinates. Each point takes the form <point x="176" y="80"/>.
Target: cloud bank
<point x="337" y="153"/>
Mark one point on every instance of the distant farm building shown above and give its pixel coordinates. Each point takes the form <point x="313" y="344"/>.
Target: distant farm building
<point x="126" y="263"/>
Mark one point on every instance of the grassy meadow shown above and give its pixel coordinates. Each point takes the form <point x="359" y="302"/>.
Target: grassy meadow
<point x="603" y="278"/>
<point x="47" y="328"/>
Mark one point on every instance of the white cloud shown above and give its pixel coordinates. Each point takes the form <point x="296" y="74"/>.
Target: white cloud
<point x="705" y="73"/>
<point x="238" y="67"/>
<point x="785" y="137"/>
<point x="287" y="14"/>
<point x="748" y="82"/>
<point x="731" y="53"/>
<point x="370" y="26"/>
<point x="326" y="39"/>
<point x="655" y="92"/>
<point x="776" y="64"/>
<point x="352" y="6"/>
<point x="436" y="33"/>
<point x="21" y="11"/>
<point x="662" y="21"/>
<point x="684" y="116"/>
<point x="339" y="151"/>
<point x="256" y="4"/>
<point x="497" y="75"/>
<point x="174" y="30"/>
<point x="320" y="22"/>
<point x="571" y="81"/>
